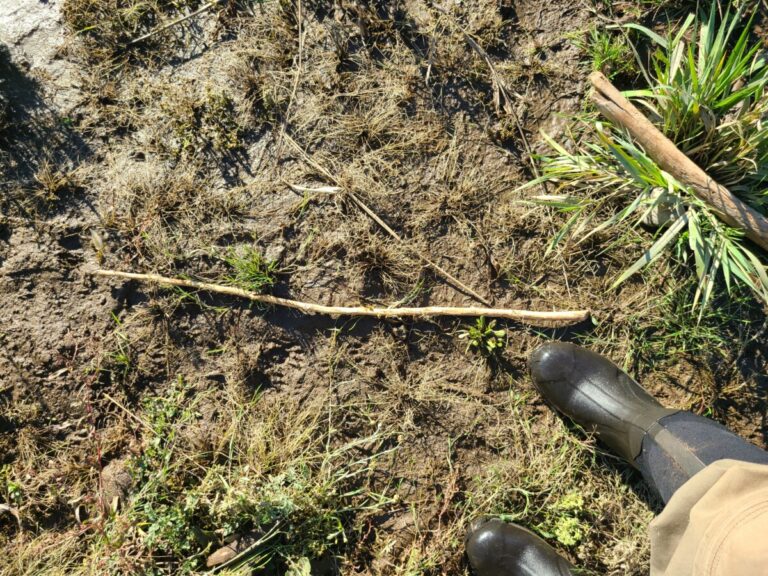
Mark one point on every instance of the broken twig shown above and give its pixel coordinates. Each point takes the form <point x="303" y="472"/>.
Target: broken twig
<point x="164" y="27"/>
<point x="548" y="318"/>
<point x="319" y="190"/>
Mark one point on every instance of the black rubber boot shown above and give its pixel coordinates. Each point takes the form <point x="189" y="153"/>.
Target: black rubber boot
<point x="668" y="446"/>
<point x="678" y="446"/>
<point x="597" y="395"/>
<point x="498" y="549"/>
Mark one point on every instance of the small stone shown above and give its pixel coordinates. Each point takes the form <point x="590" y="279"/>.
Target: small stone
<point x="223" y="554"/>
<point x="667" y="207"/>
<point x="116" y="483"/>
<point x="229" y="551"/>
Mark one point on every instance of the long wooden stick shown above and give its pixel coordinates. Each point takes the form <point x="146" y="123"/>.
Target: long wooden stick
<point x="728" y="207"/>
<point x="551" y="318"/>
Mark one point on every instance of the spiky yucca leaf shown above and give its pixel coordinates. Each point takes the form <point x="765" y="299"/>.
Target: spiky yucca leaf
<point x="707" y="93"/>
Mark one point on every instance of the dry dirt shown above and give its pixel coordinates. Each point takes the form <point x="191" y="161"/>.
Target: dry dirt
<point x="122" y="170"/>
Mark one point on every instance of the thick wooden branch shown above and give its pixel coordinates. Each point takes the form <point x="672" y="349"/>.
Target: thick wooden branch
<point x="662" y="150"/>
<point x="545" y="318"/>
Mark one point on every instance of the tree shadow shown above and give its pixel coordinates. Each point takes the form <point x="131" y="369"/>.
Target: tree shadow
<point x="33" y="136"/>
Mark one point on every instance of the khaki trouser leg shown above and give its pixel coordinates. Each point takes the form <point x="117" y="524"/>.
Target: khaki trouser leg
<point x="716" y="524"/>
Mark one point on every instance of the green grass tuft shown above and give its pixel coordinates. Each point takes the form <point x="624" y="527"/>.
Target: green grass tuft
<point x="252" y="271"/>
<point x="609" y="53"/>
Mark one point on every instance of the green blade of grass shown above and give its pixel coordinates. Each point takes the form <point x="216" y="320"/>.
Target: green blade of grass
<point x="648" y="32"/>
<point x="654" y="251"/>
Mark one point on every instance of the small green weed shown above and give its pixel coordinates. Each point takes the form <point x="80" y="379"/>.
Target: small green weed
<point x="484" y="338"/>
<point x="564" y="521"/>
<point x="161" y="521"/>
<point x="53" y="183"/>
<point x="252" y="271"/>
<point x="569" y="528"/>
<point x="299" y="567"/>
<point x="13" y="493"/>
<point x="200" y="124"/>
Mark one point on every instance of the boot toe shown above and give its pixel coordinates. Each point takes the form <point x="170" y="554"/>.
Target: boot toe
<point x="492" y="544"/>
<point x="552" y="363"/>
<point x="596" y="394"/>
<point x="475" y="526"/>
<point x="495" y="548"/>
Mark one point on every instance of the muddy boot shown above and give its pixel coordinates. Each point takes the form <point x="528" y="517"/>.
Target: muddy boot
<point x="667" y="446"/>
<point x="498" y="549"/>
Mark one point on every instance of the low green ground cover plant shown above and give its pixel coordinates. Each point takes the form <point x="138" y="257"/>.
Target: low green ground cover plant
<point x="484" y="337"/>
<point x="275" y="472"/>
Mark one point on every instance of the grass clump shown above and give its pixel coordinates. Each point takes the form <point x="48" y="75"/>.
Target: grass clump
<point x="707" y="94"/>
<point x="251" y="270"/>
<point x="275" y="473"/>
<point x="50" y="184"/>
<point x="166" y="523"/>
<point x="107" y="26"/>
<point x="666" y="332"/>
<point x="608" y="53"/>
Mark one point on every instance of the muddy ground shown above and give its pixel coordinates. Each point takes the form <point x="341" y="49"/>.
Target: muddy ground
<point x="166" y="157"/>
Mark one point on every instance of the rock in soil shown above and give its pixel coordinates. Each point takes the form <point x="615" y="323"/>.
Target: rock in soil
<point x="116" y="483"/>
<point x="229" y="551"/>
